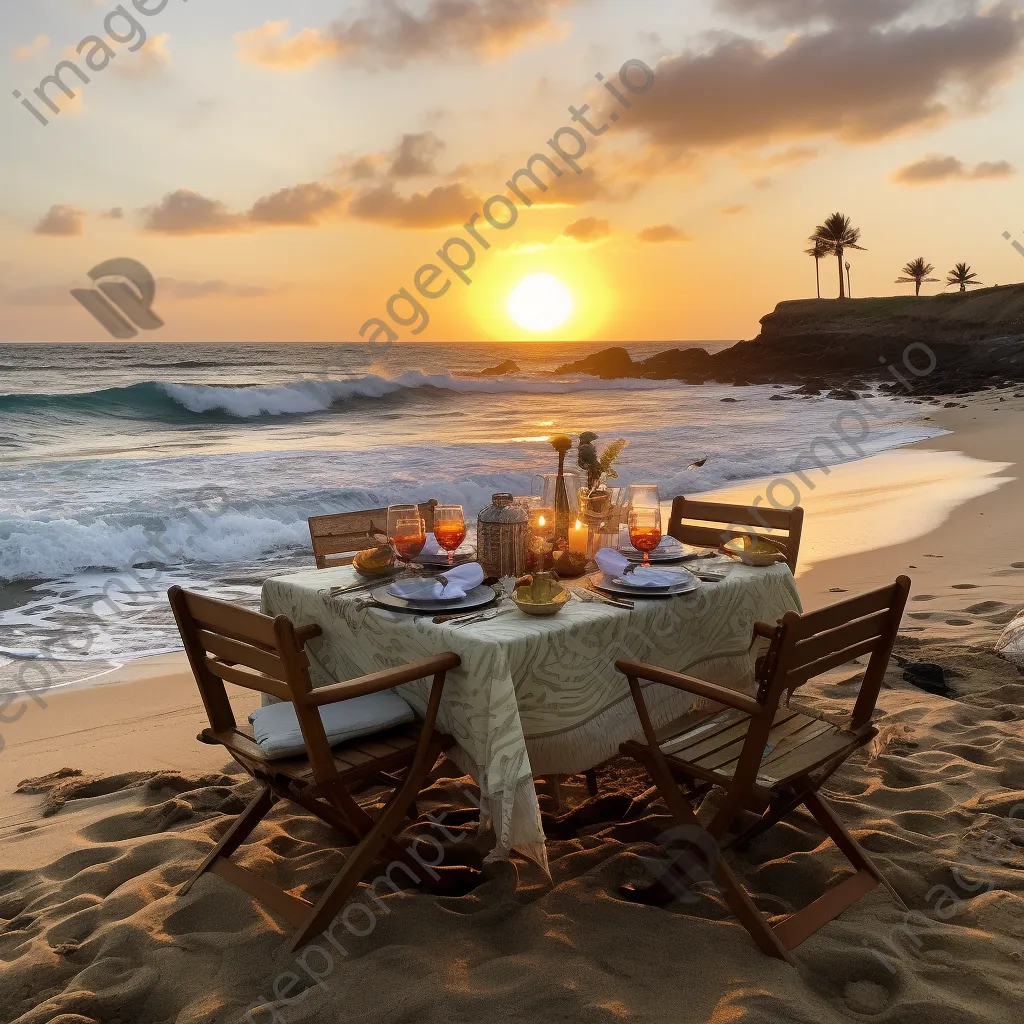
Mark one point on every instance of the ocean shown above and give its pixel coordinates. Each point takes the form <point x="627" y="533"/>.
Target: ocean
<point x="125" y="468"/>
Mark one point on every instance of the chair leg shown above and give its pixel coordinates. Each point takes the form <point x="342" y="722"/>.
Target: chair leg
<point x="732" y="890"/>
<point x="362" y="857"/>
<point x="855" y="853"/>
<point x="592" y="785"/>
<point x="236" y="835"/>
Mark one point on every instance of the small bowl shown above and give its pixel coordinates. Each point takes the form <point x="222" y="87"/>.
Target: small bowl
<point x="550" y="608"/>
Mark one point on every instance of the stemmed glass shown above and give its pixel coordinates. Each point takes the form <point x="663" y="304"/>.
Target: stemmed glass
<point x="645" y="530"/>
<point x="449" y="528"/>
<point x="643" y="496"/>
<point x="407" y="531"/>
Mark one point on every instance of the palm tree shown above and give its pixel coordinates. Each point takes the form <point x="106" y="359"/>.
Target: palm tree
<point x="838" y="234"/>
<point x="917" y="272"/>
<point x="819" y="250"/>
<point x="961" y="275"/>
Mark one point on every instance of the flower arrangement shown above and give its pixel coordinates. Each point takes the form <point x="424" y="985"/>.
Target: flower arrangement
<point x="598" y="467"/>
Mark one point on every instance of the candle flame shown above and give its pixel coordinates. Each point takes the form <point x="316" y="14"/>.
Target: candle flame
<point x="542" y="521"/>
<point x="579" y="525"/>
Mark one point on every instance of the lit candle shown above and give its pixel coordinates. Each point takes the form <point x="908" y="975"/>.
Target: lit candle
<point x="579" y="539"/>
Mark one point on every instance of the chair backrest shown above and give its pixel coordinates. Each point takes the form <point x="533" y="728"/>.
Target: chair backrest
<point x="336" y="538"/>
<point x="228" y="644"/>
<point x="711" y="524"/>
<point x="805" y="646"/>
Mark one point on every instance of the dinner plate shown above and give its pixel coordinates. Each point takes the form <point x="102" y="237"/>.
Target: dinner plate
<point x="611" y="586"/>
<point x="478" y="597"/>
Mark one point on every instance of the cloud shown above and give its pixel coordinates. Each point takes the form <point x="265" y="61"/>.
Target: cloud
<point x="268" y="46"/>
<point x="188" y="213"/>
<point x="29" y="50"/>
<point x="663" y="233"/>
<point x="388" y="31"/>
<point x="577" y="189"/>
<point x="61" y="220"/>
<point x="856" y="84"/>
<point x="148" y="62"/>
<point x="733" y="211"/>
<point x="416" y="155"/>
<point x="589" y="229"/>
<point x="302" y="205"/>
<point x="788" y="13"/>
<point x="185" y="290"/>
<point x="934" y="167"/>
<point x="443" y="206"/>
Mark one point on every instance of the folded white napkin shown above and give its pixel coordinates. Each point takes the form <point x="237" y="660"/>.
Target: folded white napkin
<point x="614" y="564"/>
<point x="449" y="586"/>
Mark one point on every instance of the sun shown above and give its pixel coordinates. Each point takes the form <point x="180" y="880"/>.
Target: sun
<point x="540" y="302"/>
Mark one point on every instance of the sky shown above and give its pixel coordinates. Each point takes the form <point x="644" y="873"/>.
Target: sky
<point x="291" y="171"/>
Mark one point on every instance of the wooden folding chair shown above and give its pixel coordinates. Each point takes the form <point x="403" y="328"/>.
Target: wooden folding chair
<point x="769" y="758"/>
<point x="227" y="644"/>
<point x="338" y="538"/>
<point x="711" y="524"/>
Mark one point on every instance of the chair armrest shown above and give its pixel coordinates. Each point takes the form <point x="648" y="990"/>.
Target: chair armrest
<point x="306" y="633"/>
<point x="698" y="687"/>
<point x="765" y="630"/>
<point x="384" y="680"/>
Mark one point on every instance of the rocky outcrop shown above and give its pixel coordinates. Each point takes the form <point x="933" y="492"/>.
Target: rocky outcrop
<point x="974" y="340"/>
<point x="506" y="366"/>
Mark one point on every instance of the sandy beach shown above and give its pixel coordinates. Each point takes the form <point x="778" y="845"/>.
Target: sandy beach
<point x="91" y="928"/>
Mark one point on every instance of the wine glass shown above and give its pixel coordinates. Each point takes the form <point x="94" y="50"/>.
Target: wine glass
<point x="643" y="496"/>
<point x="645" y="530"/>
<point x="449" y="528"/>
<point x="406" y="531"/>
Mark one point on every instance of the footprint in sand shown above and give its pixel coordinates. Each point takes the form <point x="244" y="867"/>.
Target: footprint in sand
<point x="924" y="597"/>
<point x="919" y="615"/>
<point x="984" y="607"/>
<point x="958" y="622"/>
<point x="965" y="586"/>
<point x="1017" y="565"/>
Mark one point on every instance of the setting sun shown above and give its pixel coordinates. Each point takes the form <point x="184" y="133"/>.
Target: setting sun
<point x="540" y="303"/>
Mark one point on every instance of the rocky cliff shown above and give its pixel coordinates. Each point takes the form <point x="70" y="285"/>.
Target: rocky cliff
<point x="964" y="342"/>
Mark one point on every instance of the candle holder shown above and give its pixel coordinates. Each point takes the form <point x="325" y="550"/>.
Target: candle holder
<point x="569" y="565"/>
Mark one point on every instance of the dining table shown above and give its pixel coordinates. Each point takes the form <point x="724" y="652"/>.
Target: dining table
<point x="538" y="696"/>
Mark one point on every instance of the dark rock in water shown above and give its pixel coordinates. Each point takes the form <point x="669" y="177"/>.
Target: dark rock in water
<point x="812" y="388"/>
<point x="929" y="677"/>
<point x="843" y="395"/>
<point x="508" y="366"/>
<point x="781" y="398"/>
<point x="608" y="364"/>
<point x="730" y="399"/>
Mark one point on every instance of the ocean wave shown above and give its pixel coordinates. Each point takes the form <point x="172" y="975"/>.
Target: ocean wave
<point x="159" y="400"/>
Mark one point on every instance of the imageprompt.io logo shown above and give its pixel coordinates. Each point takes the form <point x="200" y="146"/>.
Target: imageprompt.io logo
<point x="122" y="299"/>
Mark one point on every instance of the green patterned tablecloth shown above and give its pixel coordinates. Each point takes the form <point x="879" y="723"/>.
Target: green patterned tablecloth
<point x="537" y="696"/>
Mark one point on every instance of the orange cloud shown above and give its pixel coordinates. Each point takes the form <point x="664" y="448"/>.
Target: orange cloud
<point x="663" y="233"/>
<point x="443" y="206"/>
<point x="589" y="229"/>
<point x="934" y="167"/>
<point x="61" y="220"/>
<point x="269" y="46"/>
<point x="29" y="50"/>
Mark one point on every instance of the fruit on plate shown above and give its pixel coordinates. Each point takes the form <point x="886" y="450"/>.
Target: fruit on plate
<point x="754" y="551"/>
<point x="374" y="561"/>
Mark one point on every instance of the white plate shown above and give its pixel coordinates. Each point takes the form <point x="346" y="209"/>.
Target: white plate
<point x="612" y="586"/>
<point x="478" y="597"/>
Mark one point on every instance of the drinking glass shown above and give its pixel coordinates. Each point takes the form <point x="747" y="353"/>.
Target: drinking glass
<point x="645" y="530"/>
<point x="406" y="531"/>
<point x="449" y="528"/>
<point x="643" y="496"/>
